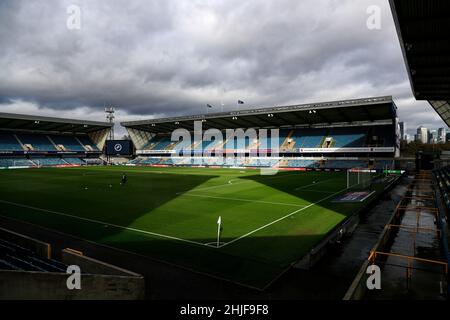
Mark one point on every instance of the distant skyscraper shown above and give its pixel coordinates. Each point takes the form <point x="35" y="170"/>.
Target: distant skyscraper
<point x="407" y="137"/>
<point x="433" y="136"/>
<point x="441" y="135"/>
<point x="402" y="126"/>
<point x="422" y="134"/>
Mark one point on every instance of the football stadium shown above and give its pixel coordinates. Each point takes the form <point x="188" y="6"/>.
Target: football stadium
<point x="303" y="201"/>
<point x="238" y="217"/>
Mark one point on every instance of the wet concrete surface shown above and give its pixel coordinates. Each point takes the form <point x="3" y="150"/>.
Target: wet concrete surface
<point x="426" y="280"/>
<point x="333" y="275"/>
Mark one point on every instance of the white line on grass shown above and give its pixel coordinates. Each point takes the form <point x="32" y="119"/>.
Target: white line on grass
<point x="229" y="183"/>
<point x="311" y="184"/>
<point x="103" y="223"/>
<point x="319" y="191"/>
<point x="240" y="199"/>
<point x="279" y="219"/>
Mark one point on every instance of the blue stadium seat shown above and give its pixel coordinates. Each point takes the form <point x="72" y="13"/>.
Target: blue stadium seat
<point x="308" y="137"/>
<point x="349" y="137"/>
<point x="48" y="162"/>
<point x="39" y="142"/>
<point x="70" y="143"/>
<point x="85" y="140"/>
<point x="15" y="162"/>
<point x="9" y="143"/>
<point x="15" y="257"/>
<point x="76" y="161"/>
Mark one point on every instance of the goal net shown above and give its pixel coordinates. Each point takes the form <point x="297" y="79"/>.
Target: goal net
<point x="359" y="178"/>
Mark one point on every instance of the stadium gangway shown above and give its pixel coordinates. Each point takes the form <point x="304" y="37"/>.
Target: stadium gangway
<point x="414" y="228"/>
<point x="410" y="259"/>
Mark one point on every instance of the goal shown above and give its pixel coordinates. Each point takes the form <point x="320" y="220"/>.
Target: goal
<point x="359" y="178"/>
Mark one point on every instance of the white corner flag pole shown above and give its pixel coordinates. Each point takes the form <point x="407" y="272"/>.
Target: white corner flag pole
<point x="219" y="222"/>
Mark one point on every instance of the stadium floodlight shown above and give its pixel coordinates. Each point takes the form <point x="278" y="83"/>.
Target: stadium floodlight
<point x="110" y="111"/>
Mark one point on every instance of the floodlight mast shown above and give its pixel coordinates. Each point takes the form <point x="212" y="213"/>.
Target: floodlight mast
<point x="110" y="116"/>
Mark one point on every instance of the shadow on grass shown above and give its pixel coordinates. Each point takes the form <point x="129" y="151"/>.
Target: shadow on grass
<point x="256" y="261"/>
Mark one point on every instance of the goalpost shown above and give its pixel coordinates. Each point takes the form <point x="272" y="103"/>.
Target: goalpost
<point x="359" y="178"/>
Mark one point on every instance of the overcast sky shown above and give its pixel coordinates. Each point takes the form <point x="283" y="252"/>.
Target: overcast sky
<point x="156" y="58"/>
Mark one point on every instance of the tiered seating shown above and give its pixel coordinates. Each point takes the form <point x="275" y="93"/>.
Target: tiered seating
<point x="9" y="143"/>
<point x="345" y="164"/>
<point x="238" y="143"/>
<point x="296" y="163"/>
<point x="135" y="161"/>
<point x="308" y="138"/>
<point x="167" y="161"/>
<point x="150" y="161"/>
<point x="11" y="162"/>
<point x="70" y="143"/>
<point x="86" y="141"/>
<point x="261" y="162"/>
<point x="39" y="142"/>
<point x="385" y="136"/>
<point x="349" y="137"/>
<point x="15" y="257"/>
<point x="48" y="162"/>
<point x="159" y="142"/>
<point x="76" y="161"/>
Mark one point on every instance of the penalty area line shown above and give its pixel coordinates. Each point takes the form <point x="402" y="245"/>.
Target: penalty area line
<point x="282" y="218"/>
<point x="189" y="194"/>
<point x="105" y="223"/>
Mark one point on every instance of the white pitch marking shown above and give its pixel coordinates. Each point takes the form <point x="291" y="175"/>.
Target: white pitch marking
<point x="103" y="223"/>
<point x="319" y="191"/>
<point x="282" y="218"/>
<point x="311" y="184"/>
<point x="230" y="183"/>
<point x="246" y="200"/>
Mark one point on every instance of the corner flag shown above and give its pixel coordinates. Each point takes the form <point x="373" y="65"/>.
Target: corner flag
<point x="219" y="227"/>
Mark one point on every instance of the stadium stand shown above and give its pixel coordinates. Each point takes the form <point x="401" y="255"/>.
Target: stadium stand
<point x="31" y="141"/>
<point x="8" y="142"/>
<point x="349" y="137"/>
<point x="15" y="257"/>
<point x="15" y="162"/>
<point x="87" y="142"/>
<point x="48" y="162"/>
<point x="29" y="271"/>
<point x="74" y="161"/>
<point x="36" y="142"/>
<point x="68" y="143"/>
<point x="310" y="136"/>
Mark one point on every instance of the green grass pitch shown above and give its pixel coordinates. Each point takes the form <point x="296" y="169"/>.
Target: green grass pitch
<point x="171" y="214"/>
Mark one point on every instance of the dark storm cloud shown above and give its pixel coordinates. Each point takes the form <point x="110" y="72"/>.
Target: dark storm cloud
<point x="172" y="57"/>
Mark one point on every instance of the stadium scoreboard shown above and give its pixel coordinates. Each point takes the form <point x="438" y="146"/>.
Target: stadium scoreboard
<point x="119" y="148"/>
